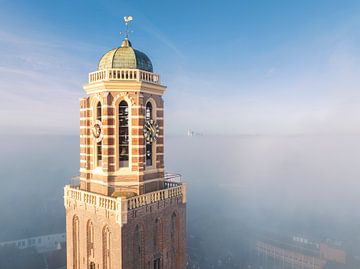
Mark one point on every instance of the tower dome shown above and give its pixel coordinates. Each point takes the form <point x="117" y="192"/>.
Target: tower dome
<point x="125" y="57"/>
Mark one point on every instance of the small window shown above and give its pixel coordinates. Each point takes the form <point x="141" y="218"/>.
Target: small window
<point x="99" y="144"/>
<point x="149" y="111"/>
<point x="149" y="150"/>
<point x="148" y="153"/>
<point x="157" y="263"/>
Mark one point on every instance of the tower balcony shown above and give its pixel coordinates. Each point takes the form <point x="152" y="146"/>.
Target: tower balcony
<point x="124" y="75"/>
<point x="121" y="207"/>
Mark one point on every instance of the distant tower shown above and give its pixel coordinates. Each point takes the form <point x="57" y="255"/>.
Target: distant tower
<point x="125" y="213"/>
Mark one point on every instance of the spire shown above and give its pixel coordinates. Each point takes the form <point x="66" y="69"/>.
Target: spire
<point x="126" y="42"/>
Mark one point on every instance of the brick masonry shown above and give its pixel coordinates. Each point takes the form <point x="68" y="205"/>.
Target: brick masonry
<point x="107" y="172"/>
<point x="162" y="232"/>
<point x="152" y="233"/>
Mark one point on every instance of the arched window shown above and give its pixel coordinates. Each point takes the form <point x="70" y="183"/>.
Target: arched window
<point x="157" y="263"/>
<point x="157" y="234"/>
<point x="173" y="228"/>
<point x="90" y="238"/>
<point x="157" y="243"/>
<point x="106" y="248"/>
<point x="99" y="144"/>
<point x="174" y="240"/>
<point x="123" y="134"/>
<point x="149" y="111"/>
<point x="76" y="243"/>
<point x="149" y="150"/>
<point x="138" y="251"/>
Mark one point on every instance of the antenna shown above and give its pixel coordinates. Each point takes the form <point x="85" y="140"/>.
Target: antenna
<point x="127" y="19"/>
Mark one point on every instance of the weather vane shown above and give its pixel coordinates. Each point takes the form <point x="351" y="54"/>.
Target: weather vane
<point x="127" y="19"/>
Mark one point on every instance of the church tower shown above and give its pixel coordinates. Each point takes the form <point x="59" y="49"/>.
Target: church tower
<point x="125" y="212"/>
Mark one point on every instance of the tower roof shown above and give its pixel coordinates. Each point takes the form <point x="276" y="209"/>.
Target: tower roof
<point x="125" y="57"/>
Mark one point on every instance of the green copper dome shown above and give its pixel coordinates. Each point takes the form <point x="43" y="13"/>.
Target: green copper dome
<point x="125" y="57"/>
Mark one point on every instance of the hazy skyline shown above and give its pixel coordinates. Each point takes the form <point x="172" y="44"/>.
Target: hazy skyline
<point x="282" y="186"/>
<point x="235" y="67"/>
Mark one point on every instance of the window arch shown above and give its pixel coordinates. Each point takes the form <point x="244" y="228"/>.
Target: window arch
<point x="76" y="243"/>
<point x="90" y="238"/>
<point x="99" y="144"/>
<point x="123" y="134"/>
<point x="149" y="145"/>
<point x="106" y="248"/>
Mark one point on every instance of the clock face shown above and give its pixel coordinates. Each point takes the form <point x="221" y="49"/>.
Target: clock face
<point x="151" y="130"/>
<point x="97" y="131"/>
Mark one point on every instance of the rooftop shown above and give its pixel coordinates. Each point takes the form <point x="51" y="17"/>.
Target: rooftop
<point x="125" y="57"/>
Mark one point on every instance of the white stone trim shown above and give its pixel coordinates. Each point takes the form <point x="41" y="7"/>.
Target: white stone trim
<point x="126" y="171"/>
<point x="119" y="184"/>
<point x="138" y="146"/>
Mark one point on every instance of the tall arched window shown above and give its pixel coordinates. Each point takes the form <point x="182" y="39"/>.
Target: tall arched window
<point x="174" y="240"/>
<point x="137" y="262"/>
<point x="149" y="150"/>
<point x="99" y="144"/>
<point x="157" y="234"/>
<point x="106" y="248"/>
<point x="76" y="243"/>
<point x="90" y="238"/>
<point x="123" y="134"/>
<point x="173" y="228"/>
<point x="157" y="243"/>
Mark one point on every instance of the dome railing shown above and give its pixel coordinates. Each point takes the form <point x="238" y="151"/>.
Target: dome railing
<point x="124" y="74"/>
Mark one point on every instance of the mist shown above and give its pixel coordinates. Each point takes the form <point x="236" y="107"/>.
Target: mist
<point x="240" y="188"/>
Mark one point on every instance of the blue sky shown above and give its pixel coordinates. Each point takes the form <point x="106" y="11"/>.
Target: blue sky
<point x="231" y="67"/>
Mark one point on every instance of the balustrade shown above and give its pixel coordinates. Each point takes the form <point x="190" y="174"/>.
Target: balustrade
<point x="172" y="189"/>
<point x="156" y="196"/>
<point x="124" y="74"/>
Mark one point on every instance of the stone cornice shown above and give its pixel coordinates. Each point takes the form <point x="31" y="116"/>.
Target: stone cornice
<point x="124" y="86"/>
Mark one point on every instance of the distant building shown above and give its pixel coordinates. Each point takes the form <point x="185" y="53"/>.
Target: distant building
<point x="40" y="252"/>
<point x="124" y="214"/>
<point x="286" y="256"/>
<point x="300" y="253"/>
<point x="332" y="253"/>
<point x="44" y="243"/>
<point x="192" y="133"/>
